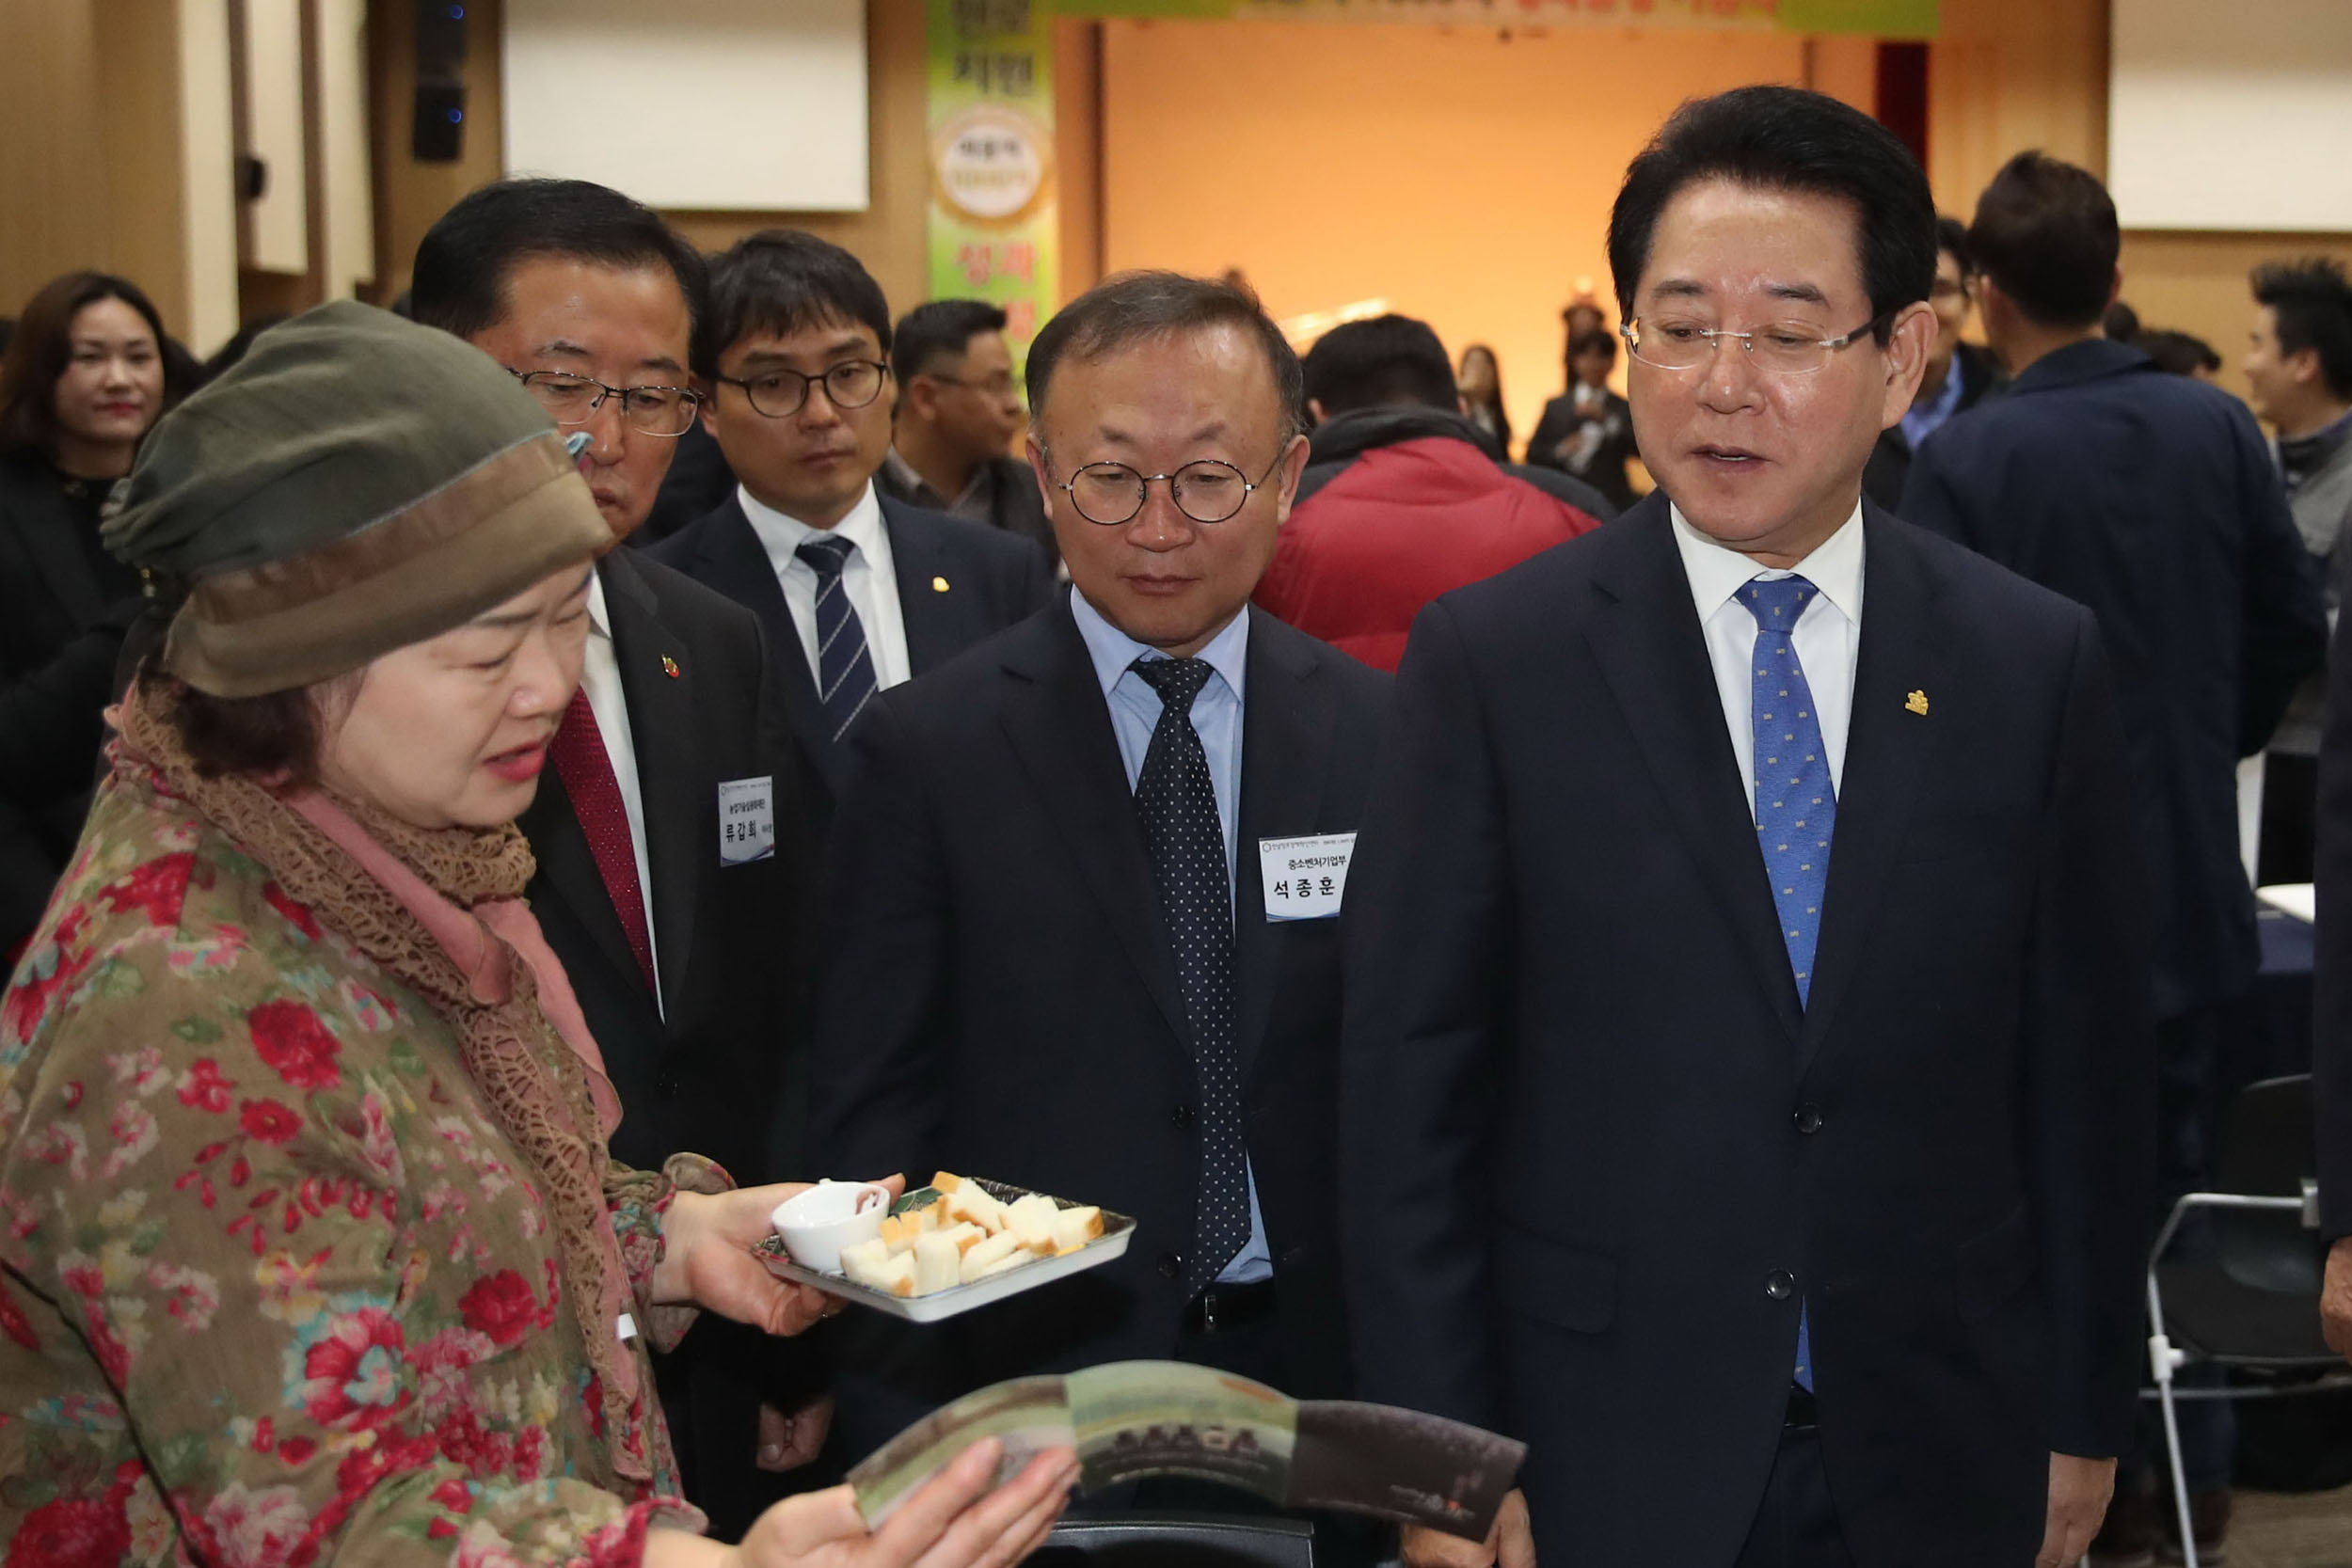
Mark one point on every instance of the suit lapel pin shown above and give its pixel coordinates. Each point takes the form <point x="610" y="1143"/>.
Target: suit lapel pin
<point x="669" y="666"/>
<point x="1915" y="702"/>
<point x="939" y="585"/>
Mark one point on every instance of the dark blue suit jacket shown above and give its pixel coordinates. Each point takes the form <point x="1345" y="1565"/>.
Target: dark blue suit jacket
<point x="992" y="580"/>
<point x="1586" y="1126"/>
<point x="2151" y="499"/>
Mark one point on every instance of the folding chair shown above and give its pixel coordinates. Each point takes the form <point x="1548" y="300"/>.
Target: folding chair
<point x="2253" y="1305"/>
<point x="1178" y="1540"/>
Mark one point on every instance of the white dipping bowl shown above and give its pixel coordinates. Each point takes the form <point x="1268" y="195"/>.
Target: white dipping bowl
<point x="815" y="1225"/>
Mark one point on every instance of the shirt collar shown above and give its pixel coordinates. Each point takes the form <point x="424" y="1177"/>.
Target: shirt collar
<point x="782" y="535"/>
<point x="1113" y="650"/>
<point x="600" y="618"/>
<point x="1948" y="396"/>
<point x="1716" y="572"/>
<point x="2298" y="454"/>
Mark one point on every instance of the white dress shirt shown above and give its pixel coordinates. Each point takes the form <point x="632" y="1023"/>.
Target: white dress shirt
<point x="1828" y="635"/>
<point x="869" y="577"/>
<point x="600" y="676"/>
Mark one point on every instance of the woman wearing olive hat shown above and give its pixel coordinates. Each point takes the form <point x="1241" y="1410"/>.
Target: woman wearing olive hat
<point x="309" y="1244"/>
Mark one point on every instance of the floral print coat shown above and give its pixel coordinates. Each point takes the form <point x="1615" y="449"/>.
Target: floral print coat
<point x="273" y="1287"/>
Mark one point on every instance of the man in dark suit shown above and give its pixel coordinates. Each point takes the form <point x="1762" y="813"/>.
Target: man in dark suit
<point x="857" y="591"/>
<point x="2151" y="499"/>
<point x="671" y="867"/>
<point x="1959" y="376"/>
<point x="1746" y="1092"/>
<point x="1068" y="948"/>
<point x="959" y="411"/>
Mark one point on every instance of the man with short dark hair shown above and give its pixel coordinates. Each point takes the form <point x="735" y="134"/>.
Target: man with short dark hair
<point x="1399" y="502"/>
<point x="1745" y="1091"/>
<point x="2298" y="370"/>
<point x="959" y="411"/>
<point x="1587" y="433"/>
<point x="1958" y="375"/>
<point x="1083" y="898"/>
<point x="677" y="930"/>
<point x="2150" y="498"/>
<point x="858" y="592"/>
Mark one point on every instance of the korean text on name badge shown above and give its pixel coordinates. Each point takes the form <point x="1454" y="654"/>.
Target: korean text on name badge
<point x="1304" y="877"/>
<point x="747" y="820"/>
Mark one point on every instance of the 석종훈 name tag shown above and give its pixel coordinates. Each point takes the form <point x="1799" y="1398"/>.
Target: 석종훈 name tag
<point x="1304" y="877"/>
<point x="747" y="820"/>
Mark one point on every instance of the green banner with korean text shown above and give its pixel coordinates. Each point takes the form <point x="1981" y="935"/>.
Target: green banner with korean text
<point x="994" y="222"/>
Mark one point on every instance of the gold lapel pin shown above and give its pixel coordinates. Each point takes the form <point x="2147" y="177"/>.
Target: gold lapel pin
<point x="939" y="585"/>
<point x="1916" y="703"/>
<point x="669" y="666"/>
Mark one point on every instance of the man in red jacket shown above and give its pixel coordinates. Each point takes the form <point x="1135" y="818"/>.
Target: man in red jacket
<point x="1400" y="501"/>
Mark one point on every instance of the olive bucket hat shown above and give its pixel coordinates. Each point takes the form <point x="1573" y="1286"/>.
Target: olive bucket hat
<point x="356" y="483"/>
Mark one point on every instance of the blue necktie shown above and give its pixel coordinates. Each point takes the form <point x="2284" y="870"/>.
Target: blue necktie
<point x="844" y="667"/>
<point x="1177" y="801"/>
<point x="1796" y="807"/>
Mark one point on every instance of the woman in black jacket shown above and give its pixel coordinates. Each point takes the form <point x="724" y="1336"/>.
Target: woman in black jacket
<point x="88" y="374"/>
<point x="1588" y="432"/>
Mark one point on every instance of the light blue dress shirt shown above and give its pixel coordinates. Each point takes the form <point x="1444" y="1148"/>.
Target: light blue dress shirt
<point x="1135" y="709"/>
<point x="1921" y="420"/>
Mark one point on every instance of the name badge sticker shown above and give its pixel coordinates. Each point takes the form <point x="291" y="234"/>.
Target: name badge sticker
<point x="1304" y="879"/>
<point x="747" y="820"/>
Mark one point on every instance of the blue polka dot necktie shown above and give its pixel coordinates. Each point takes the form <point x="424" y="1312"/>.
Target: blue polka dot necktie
<point x="1796" y="807"/>
<point x="845" y="666"/>
<point x="1177" y="803"/>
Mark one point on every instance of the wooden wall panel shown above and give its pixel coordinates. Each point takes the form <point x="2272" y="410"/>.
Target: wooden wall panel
<point x="52" y="179"/>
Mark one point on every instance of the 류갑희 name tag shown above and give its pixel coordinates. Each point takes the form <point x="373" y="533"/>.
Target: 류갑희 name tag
<point x="1304" y="877"/>
<point x="747" y="820"/>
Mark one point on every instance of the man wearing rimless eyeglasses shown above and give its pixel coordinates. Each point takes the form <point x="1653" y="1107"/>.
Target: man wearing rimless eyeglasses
<point x="1747" y="1092"/>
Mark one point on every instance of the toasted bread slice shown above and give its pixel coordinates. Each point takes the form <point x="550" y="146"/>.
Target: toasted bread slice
<point x="1074" y="1227"/>
<point x="938" y="1262"/>
<point x="1031" y="1218"/>
<point x="995" y="1249"/>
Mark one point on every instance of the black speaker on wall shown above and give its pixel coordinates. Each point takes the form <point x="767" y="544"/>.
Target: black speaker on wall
<point x="438" y="130"/>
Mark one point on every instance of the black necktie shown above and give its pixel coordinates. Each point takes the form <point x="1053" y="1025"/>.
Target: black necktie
<point x="1177" y="803"/>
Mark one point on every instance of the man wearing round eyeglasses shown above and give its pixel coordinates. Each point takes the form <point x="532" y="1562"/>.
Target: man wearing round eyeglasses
<point x="1086" y="894"/>
<point x="1747" y="1092"/>
<point x="858" y="591"/>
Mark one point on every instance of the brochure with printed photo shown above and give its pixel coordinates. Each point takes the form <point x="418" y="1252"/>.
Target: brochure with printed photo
<point x="1130" y="1420"/>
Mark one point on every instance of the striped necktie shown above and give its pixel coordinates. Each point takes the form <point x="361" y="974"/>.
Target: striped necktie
<point x="845" y="666"/>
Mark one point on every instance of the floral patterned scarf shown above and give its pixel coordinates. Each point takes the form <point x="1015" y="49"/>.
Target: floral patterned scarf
<point x="482" y="984"/>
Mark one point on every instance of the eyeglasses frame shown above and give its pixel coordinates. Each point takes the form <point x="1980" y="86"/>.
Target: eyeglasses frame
<point x="1143" y="490"/>
<point x="807" y="381"/>
<point x="694" y="401"/>
<point x="1629" y="330"/>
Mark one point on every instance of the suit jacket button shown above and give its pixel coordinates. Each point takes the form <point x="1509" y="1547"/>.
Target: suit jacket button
<point x="1170" y="1265"/>
<point x="1809" y="1117"/>
<point x="1182" y="1119"/>
<point x="1780" y="1284"/>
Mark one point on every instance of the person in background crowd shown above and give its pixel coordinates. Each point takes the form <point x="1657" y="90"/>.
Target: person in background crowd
<point x="293" y="958"/>
<point x="2149" y="499"/>
<point x="857" y="590"/>
<point x="681" y="943"/>
<point x="1588" y="431"/>
<point x="2298" y="371"/>
<point x="87" y="375"/>
<point x="1479" y="384"/>
<point x="1788" y="1201"/>
<point x="2180" y="353"/>
<point x="959" y="414"/>
<point x="1400" y="501"/>
<point x="1959" y="375"/>
<point x="1058" y="946"/>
